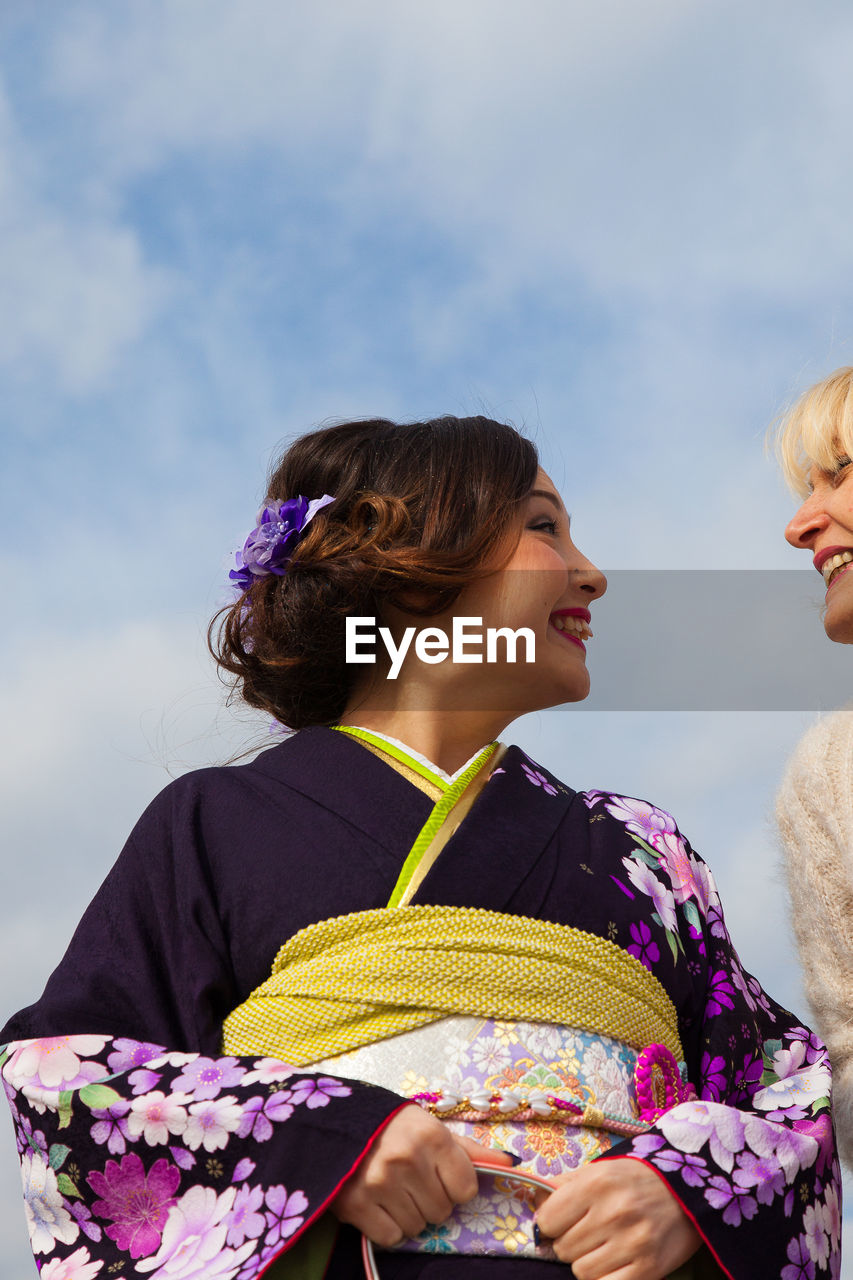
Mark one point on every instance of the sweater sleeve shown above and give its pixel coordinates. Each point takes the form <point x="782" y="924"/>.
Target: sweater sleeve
<point x="814" y="812"/>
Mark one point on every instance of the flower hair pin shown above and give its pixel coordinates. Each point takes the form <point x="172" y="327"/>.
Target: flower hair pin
<point x="269" y="547"/>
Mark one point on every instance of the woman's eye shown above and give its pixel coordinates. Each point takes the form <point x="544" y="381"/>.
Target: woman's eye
<point x="841" y="465"/>
<point x="549" y="525"/>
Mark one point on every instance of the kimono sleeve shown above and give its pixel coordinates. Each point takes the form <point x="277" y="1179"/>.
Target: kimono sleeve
<point x="752" y="1159"/>
<point x="142" y="1148"/>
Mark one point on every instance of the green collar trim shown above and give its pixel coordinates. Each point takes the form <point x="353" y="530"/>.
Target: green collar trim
<point x="440" y="813"/>
<point x="398" y="754"/>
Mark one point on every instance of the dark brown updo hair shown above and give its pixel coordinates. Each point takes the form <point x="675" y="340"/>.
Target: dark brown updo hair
<point x="419" y="509"/>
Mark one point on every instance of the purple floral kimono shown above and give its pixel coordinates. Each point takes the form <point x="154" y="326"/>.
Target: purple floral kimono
<point x="144" y="1152"/>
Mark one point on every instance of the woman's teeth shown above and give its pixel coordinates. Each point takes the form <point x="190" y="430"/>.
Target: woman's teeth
<point x="576" y="626"/>
<point x="835" y="564"/>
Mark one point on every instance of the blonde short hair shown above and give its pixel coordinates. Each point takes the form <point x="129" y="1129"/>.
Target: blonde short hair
<point x="817" y="430"/>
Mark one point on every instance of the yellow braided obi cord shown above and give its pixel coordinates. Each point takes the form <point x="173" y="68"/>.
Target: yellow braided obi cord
<point x="350" y="981"/>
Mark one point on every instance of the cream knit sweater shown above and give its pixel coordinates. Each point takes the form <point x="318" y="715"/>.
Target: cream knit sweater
<point x="814" y="810"/>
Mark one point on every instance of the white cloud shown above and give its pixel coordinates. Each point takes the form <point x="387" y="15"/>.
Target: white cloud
<point x="72" y="297"/>
<point x="644" y="150"/>
<point x="75" y="290"/>
<point x="631" y="162"/>
<point x="95" y="725"/>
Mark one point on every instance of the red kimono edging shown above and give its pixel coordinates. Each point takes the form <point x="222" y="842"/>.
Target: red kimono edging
<point x="687" y="1213"/>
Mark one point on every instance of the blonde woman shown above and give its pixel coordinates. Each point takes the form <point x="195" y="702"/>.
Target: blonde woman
<point x="815" y="804"/>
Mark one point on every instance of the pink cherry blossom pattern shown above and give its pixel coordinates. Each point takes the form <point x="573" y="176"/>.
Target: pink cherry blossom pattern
<point x="110" y="1127"/>
<point x="245" y="1222"/>
<point x="640" y="818"/>
<point x="643" y="945"/>
<point x="538" y="779"/>
<point x="55" y="1062"/>
<point x="79" y="1266"/>
<point x="137" y="1204"/>
<point x="207" y="1077"/>
<point x="269" y="1071"/>
<point x="156" y="1115"/>
<point x="284" y="1214"/>
<point x="688" y="876"/>
<point x="801" y="1265"/>
<point x="194" y="1246"/>
<point x="210" y="1123"/>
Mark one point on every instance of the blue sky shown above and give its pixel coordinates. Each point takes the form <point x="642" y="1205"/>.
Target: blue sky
<point x="625" y="227"/>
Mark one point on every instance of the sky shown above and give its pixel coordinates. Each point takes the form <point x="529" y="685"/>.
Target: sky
<point x="625" y="228"/>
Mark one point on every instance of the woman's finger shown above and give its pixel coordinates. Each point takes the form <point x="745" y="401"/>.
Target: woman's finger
<point x="476" y="1151"/>
<point x="456" y="1171"/>
<point x="607" y="1258"/>
<point x="388" y="1218"/>
<point x="430" y="1200"/>
<point x="405" y="1207"/>
<point x="596" y="1267"/>
<point x="378" y="1225"/>
<point x="581" y="1239"/>
<point x="565" y="1207"/>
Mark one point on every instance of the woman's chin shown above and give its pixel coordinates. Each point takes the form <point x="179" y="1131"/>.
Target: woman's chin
<point x="838" y="610"/>
<point x="571" y="690"/>
<point x="839" y="628"/>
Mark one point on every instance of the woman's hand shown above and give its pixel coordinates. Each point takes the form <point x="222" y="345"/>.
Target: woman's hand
<point x="416" y="1173"/>
<point x="616" y="1220"/>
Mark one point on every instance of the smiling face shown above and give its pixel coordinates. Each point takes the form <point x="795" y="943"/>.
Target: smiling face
<point x="824" y="526"/>
<point x="548" y="586"/>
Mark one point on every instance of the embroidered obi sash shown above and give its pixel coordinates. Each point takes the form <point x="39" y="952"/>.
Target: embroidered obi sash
<point x="535" y="1037"/>
<point x="553" y="1096"/>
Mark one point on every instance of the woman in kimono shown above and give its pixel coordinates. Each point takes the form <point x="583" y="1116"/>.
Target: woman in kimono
<point x="815" y="802"/>
<point x="317" y="989"/>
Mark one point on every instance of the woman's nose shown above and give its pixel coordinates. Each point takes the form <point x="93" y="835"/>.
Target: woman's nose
<point x="807" y="523"/>
<point x="591" y="580"/>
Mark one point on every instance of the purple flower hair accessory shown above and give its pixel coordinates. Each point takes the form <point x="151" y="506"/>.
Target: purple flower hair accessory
<point x="269" y="547"/>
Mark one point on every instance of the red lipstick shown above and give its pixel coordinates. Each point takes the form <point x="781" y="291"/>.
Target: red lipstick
<point x="576" y="613"/>
<point x="822" y="556"/>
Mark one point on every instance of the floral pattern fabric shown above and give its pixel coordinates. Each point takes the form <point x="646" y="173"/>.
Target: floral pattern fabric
<point x="145" y="1152"/>
<point x="175" y="1146"/>
<point x="482" y="1059"/>
<point x="752" y="1158"/>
